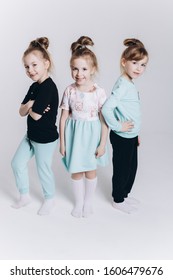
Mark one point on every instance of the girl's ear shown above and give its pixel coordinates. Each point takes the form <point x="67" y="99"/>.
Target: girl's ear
<point x="93" y="71"/>
<point x="47" y="64"/>
<point x="123" y="62"/>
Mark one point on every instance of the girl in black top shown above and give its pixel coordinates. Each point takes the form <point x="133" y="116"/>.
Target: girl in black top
<point x="40" y="105"/>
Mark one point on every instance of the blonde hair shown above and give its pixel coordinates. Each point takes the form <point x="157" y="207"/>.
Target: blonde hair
<point x="40" y="44"/>
<point x="81" y="48"/>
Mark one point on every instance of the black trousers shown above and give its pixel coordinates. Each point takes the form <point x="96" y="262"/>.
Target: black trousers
<point x="124" y="161"/>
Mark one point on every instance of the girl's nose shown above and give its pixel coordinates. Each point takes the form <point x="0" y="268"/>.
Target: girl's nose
<point x="78" y="73"/>
<point x="138" y="67"/>
<point x="30" y="70"/>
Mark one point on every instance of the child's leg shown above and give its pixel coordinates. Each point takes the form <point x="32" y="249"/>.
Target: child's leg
<point x="20" y="170"/>
<point x="44" y="155"/>
<point x="90" y="186"/>
<point x="78" y="191"/>
<point x="122" y="156"/>
<point x="133" y="168"/>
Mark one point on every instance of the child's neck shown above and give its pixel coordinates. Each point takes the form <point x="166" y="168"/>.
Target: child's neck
<point x="45" y="77"/>
<point x="127" y="77"/>
<point x="87" y="88"/>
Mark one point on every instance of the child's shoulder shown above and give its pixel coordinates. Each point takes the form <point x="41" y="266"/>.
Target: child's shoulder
<point x="122" y="83"/>
<point x="34" y="87"/>
<point x="48" y="85"/>
<point x="98" y="88"/>
<point x="70" y="87"/>
<point x="100" y="92"/>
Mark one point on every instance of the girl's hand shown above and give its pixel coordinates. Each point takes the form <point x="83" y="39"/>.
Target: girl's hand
<point x="47" y="109"/>
<point x="25" y="108"/>
<point x="139" y="141"/>
<point x="100" y="151"/>
<point x="62" y="150"/>
<point x="127" y="126"/>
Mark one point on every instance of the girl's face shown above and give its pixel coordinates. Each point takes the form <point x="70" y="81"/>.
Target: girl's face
<point x="36" y="66"/>
<point x="82" y="71"/>
<point x="133" y="69"/>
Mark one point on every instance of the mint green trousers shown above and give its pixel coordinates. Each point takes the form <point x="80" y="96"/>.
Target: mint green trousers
<point x="43" y="156"/>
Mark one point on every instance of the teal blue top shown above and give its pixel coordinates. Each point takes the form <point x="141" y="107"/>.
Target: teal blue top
<point x="123" y="105"/>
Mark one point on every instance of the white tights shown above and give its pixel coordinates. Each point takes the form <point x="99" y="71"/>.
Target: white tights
<point x="83" y="195"/>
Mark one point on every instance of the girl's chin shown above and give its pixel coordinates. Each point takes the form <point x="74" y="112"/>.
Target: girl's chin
<point x="34" y="78"/>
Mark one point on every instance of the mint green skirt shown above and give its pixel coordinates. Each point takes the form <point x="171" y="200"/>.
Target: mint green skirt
<point x="81" y="140"/>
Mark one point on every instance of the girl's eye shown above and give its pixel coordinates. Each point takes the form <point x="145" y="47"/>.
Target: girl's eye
<point x="34" y="64"/>
<point x="84" y="69"/>
<point x="134" y="62"/>
<point x="143" y="65"/>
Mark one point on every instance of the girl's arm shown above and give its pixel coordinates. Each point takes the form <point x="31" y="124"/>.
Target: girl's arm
<point x="104" y="134"/>
<point x="108" y="114"/>
<point x="34" y="115"/>
<point x="63" y="118"/>
<point x="37" y="116"/>
<point x="24" y="108"/>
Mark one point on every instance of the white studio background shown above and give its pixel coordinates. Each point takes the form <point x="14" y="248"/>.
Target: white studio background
<point x="108" y="23"/>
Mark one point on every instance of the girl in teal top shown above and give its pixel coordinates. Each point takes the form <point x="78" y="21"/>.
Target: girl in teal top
<point x="122" y="114"/>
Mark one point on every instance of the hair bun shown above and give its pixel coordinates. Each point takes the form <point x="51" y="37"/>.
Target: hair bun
<point x="44" y="42"/>
<point x="81" y="43"/>
<point x="85" y="41"/>
<point x="40" y="42"/>
<point x="133" y="42"/>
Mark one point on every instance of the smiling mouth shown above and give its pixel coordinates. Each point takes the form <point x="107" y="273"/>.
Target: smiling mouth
<point x="79" y="79"/>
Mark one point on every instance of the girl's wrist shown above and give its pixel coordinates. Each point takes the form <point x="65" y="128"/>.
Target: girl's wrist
<point x="102" y="145"/>
<point x="101" y="148"/>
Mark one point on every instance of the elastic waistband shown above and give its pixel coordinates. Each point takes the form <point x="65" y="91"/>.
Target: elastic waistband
<point x="86" y="119"/>
<point x="29" y="142"/>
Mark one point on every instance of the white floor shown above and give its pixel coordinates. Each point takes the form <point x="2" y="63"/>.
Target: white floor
<point x="108" y="234"/>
